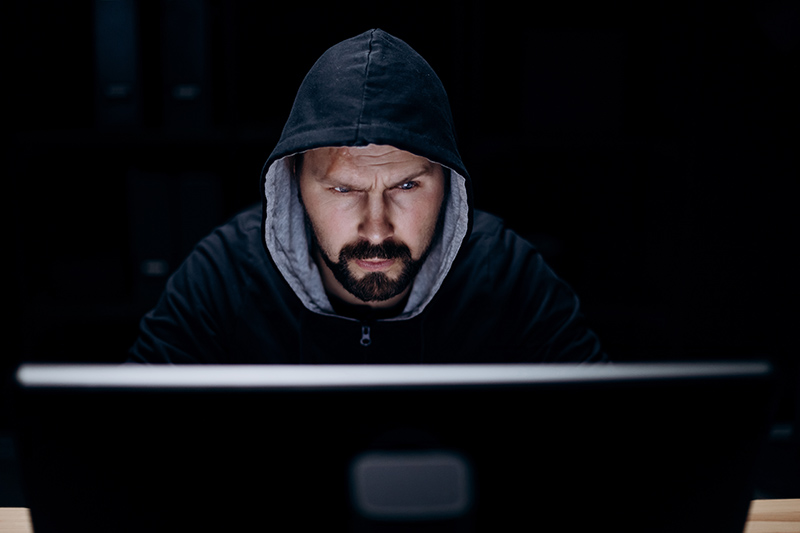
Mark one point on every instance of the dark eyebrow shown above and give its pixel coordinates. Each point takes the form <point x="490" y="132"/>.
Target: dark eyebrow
<point x="427" y="169"/>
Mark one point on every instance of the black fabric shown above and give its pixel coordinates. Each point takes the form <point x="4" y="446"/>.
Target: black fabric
<point x="373" y="88"/>
<point x="500" y="303"/>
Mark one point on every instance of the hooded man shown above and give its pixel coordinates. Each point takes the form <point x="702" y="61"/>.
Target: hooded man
<point x="366" y="248"/>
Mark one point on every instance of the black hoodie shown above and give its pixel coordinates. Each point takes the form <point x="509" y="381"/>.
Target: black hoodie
<point x="251" y="292"/>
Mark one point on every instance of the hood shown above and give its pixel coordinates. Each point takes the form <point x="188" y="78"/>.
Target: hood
<point x="370" y="89"/>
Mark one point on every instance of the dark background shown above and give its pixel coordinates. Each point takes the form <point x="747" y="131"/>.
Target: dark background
<point x="647" y="148"/>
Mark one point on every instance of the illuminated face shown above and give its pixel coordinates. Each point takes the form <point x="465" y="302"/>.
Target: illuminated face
<point x="374" y="213"/>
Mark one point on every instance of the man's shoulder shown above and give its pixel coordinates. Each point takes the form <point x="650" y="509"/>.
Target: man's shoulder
<point x="246" y="224"/>
<point x="503" y="297"/>
<point x="499" y="257"/>
<point x="232" y="251"/>
<point x="494" y="250"/>
<point x="490" y="232"/>
<point x="240" y="234"/>
<point x="483" y="221"/>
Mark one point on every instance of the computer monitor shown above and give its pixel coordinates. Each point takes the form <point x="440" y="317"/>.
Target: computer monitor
<point x="622" y="447"/>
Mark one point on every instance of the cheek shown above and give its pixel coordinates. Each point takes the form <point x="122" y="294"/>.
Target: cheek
<point x="331" y="229"/>
<point x="421" y="225"/>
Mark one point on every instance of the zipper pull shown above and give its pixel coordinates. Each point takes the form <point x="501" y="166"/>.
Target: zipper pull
<point x="366" y="340"/>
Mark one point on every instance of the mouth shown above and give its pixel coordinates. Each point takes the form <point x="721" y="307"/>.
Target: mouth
<point x="374" y="265"/>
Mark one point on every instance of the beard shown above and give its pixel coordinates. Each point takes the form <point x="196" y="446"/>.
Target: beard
<point x="375" y="286"/>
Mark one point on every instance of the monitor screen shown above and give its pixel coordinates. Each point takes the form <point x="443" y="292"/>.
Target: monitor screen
<point x="629" y="447"/>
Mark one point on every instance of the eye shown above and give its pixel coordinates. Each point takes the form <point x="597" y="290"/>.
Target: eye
<point x="342" y="190"/>
<point x="407" y="186"/>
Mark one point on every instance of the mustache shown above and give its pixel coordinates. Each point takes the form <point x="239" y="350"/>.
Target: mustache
<point x="365" y="250"/>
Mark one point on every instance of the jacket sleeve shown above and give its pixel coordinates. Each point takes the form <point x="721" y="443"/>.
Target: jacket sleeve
<point x="192" y="319"/>
<point x="511" y="307"/>
<point x="549" y="323"/>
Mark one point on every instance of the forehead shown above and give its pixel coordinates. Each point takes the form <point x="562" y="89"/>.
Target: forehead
<point x="373" y="158"/>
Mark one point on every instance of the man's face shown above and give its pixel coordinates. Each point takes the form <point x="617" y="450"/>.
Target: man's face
<point x="374" y="213"/>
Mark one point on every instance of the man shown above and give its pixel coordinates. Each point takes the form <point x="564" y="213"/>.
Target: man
<point x="366" y="248"/>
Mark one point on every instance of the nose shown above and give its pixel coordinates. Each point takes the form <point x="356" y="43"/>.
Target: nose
<point x="376" y="225"/>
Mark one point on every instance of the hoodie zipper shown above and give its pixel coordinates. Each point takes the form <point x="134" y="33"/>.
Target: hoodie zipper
<point x="366" y="339"/>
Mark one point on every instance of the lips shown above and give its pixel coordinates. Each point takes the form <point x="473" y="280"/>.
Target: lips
<point x="376" y="258"/>
<point x="374" y="265"/>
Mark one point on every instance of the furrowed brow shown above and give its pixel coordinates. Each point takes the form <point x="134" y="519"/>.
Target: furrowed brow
<point x="336" y="181"/>
<point x="344" y="180"/>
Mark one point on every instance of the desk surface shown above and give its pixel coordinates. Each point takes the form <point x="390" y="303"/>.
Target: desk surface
<point x="773" y="516"/>
<point x="766" y="516"/>
<point x="15" y="520"/>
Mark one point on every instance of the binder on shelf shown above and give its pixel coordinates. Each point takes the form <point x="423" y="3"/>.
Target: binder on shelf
<point x="118" y="90"/>
<point x="168" y="214"/>
<point x="185" y="64"/>
<point x="150" y="220"/>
